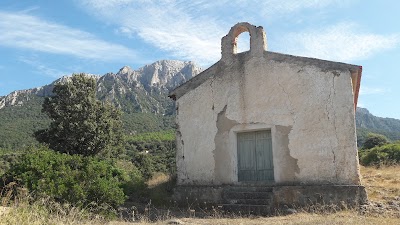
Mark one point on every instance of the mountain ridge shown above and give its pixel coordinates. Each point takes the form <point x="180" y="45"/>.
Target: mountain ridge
<point x="142" y="95"/>
<point x="160" y="76"/>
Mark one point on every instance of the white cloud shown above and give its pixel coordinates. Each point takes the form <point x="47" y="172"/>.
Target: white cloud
<point x="274" y="7"/>
<point x="29" y="32"/>
<point x="30" y="9"/>
<point x="340" y="42"/>
<point x="365" y="90"/>
<point x="42" y="68"/>
<point x="167" y="25"/>
<point x="192" y="30"/>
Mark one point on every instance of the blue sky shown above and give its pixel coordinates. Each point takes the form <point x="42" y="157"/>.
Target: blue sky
<point x="45" y="39"/>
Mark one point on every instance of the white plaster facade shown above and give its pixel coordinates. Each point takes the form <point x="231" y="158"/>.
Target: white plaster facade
<point x="307" y="104"/>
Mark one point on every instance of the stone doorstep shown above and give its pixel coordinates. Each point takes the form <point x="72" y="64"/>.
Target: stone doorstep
<point x="247" y="199"/>
<point x="247" y="188"/>
<point x="247" y="195"/>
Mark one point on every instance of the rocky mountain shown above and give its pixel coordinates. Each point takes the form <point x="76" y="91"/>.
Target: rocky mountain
<point x="366" y="123"/>
<point x="142" y="95"/>
<point x="143" y="90"/>
<point x="366" y="120"/>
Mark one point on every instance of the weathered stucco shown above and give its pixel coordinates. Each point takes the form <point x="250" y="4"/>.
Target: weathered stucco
<point x="308" y="104"/>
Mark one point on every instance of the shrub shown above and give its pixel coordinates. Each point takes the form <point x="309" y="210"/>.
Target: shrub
<point x="74" y="179"/>
<point x="385" y="154"/>
<point x="373" y="140"/>
<point x="7" y="157"/>
<point x="134" y="185"/>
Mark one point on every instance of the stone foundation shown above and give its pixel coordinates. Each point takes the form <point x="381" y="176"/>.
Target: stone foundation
<point x="272" y="197"/>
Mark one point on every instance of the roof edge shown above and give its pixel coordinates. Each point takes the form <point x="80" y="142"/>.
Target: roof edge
<point x="357" y="88"/>
<point x="324" y="65"/>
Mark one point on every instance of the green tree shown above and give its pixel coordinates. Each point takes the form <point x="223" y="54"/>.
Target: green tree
<point x="373" y="140"/>
<point x="80" y="124"/>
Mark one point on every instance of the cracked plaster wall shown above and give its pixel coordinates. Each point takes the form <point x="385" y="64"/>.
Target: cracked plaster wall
<point x="309" y="110"/>
<point x="307" y="104"/>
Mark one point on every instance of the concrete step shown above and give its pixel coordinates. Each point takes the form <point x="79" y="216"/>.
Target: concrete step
<point x="246" y="209"/>
<point x="249" y="189"/>
<point x="254" y="200"/>
<point x="246" y="195"/>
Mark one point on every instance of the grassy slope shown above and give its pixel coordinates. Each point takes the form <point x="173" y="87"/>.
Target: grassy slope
<point x="383" y="185"/>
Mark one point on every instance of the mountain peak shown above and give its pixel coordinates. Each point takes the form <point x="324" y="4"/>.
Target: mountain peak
<point x="126" y="87"/>
<point x="167" y="73"/>
<point x="125" y="70"/>
<point x="362" y="110"/>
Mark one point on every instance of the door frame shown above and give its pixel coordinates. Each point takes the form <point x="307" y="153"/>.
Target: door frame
<point x="233" y="146"/>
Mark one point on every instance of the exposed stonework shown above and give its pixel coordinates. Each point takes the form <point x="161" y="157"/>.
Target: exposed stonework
<point x="221" y="161"/>
<point x="308" y="105"/>
<point x="283" y="153"/>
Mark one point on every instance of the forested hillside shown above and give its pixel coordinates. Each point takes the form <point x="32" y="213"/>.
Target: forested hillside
<point x="367" y="123"/>
<point x="142" y="95"/>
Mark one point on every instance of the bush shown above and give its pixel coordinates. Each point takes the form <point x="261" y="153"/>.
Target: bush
<point x="74" y="179"/>
<point x="385" y="154"/>
<point x="7" y="157"/>
<point x="373" y="140"/>
<point x="134" y="185"/>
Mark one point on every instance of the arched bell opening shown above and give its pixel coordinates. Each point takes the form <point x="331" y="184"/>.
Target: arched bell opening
<point x="235" y="41"/>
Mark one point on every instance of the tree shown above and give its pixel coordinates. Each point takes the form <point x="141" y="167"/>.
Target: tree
<point x="373" y="140"/>
<point x="80" y="124"/>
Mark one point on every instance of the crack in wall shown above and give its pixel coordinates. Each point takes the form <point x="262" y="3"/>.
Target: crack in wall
<point x="290" y="108"/>
<point x="212" y="94"/>
<point x="184" y="172"/>
<point x="334" y="124"/>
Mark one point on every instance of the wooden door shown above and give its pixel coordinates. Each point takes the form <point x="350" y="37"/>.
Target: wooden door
<point x="255" y="156"/>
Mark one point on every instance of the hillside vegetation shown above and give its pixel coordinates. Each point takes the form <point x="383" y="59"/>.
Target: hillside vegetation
<point x="142" y="96"/>
<point x="368" y="123"/>
<point x="81" y="158"/>
<point x="382" y="185"/>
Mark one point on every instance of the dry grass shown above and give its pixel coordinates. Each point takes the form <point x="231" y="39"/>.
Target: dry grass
<point x="17" y="207"/>
<point x="382" y="184"/>
<point x="47" y="212"/>
<point x="301" y="218"/>
<point x="3" y="210"/>
<point x="158" y="179"/>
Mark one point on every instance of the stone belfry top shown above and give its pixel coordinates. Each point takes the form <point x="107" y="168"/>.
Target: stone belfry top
<point x="258" y="41"/>
<point x="258" y="49"/>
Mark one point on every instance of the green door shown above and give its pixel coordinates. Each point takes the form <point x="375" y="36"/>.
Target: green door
<point x="255" y="156"/>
